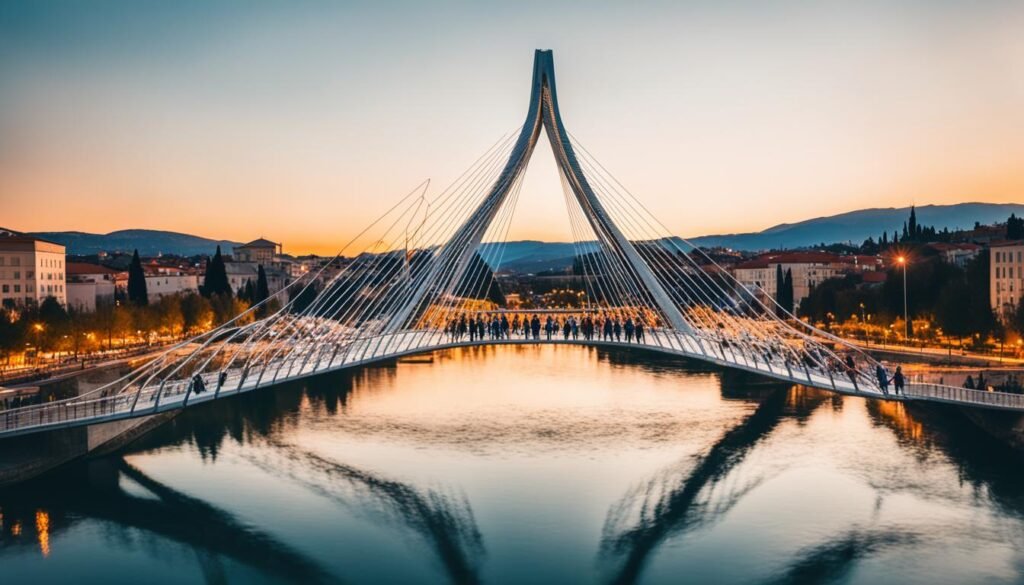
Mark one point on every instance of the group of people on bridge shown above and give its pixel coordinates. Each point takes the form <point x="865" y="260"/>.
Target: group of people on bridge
<point x="571" y="327"/>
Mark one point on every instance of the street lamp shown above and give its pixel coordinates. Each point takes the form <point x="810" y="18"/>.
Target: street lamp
<point x="902" y="260"/>
<point x="863" y="323"/>
<point x="38" y="327"/>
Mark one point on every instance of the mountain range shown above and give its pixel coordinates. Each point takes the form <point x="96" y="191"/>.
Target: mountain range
<point x="534" y="256"/>
<point x="147" y="242"/>
<point x="856" y="226"/>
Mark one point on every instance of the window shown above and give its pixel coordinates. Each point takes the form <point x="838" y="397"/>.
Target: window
<point x="1" y="260"/>
<point x="7" y="288"/>
<point x="15" y="261"/>
<point x="30" y="274"/>
<point x="17" y="274"/>
<point x="17" y="288"/>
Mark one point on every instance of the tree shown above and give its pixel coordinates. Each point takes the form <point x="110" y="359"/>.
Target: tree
<point x="147" y="320"/>
<point x="123" y="324"/>
<point x="788" y="287"/>
<point x="137" y="294"/>
<point x="55" y="321"/>
<point x="1014" y="227"/>
<point x="983" y="320"/>
<point x="170" y="316"/>
<point x="1016" y="321"/>
<point x="304" y="296"/>
<point x="911" y="226"/>
<point x="12" y="336"/>
<point x="780" y="294"/>
<point x="196" y="313"/>
<point x="246" y="292"/>
<point x="949" y="309"/>
<point x="215" y="281"/>
<point x="104" y="320"/>
<point x="261" y="292"/>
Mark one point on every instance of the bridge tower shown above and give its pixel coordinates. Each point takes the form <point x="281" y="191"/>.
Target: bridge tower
<point x="458" y="252"/>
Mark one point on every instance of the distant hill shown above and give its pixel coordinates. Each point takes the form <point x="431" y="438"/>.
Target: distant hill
<point x="535" y="256"/>
<point x="857" y="226"/>
<point x="148" y="242"/>
<point x="531" y="255"/>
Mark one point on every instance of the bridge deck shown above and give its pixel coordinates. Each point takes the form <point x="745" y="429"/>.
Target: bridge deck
<point x="167" y="396"/>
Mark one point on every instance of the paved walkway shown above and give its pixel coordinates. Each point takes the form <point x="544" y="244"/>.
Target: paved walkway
<point x="309" y="359"/>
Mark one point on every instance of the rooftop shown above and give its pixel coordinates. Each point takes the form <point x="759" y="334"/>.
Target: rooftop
<point x="945" y="247"/>
<point x="76" y="268"/>
<point x="259" y="243"/>
<point x="807" y="257"/>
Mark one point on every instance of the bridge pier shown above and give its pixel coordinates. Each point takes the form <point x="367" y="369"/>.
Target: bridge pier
<point x="25" y="457"/>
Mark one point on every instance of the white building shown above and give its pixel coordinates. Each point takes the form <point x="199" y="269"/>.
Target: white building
<point x="31" y="269"/>
<point x="261" y="251"/>
<point x="90" y="285"/>
<point x="809" y="270"/>
<point x="162" y="280"/>
<point x="959" y="255"/>
<point x="1006" y="277"/>
<point x="241" y="272"/>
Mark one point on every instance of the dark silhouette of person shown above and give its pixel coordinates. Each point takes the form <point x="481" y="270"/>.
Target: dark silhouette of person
<point x="883" y="378"/>
<point x="898" y="380"/>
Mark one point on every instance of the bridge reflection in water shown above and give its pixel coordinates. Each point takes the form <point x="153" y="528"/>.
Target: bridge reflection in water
<point x="395" y="449"/>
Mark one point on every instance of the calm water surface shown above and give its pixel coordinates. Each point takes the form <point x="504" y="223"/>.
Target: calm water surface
<point x="531" y="465"/>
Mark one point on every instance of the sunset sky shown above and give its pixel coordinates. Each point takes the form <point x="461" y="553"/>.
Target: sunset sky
<point x="303" y="121"/>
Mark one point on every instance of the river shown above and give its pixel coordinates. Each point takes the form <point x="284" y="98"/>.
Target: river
<point x="532" y="464"/>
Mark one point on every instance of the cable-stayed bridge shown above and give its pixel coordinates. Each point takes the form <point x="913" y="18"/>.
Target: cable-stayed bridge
<point x="423" y="277"/>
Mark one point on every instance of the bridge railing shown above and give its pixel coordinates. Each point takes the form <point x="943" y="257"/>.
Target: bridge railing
<point x="174" y="393"/>
<point x="65" y="411"/>
<point x="966" y="396"/>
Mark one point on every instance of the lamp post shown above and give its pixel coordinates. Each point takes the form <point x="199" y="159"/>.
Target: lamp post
<point x="863" y="324"/>
<point x="38" y="327"/>
<point x="906" y="322"/>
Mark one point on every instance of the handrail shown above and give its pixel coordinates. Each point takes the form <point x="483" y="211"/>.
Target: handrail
<point x="89" y="407"/>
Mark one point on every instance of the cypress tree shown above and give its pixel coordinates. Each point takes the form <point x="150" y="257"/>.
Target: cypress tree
<point x="1014" y="227"/>
<point x="216" y="279"/>
<point x="912" y="228"/>
<point x="246" y="292"/>
<point x="137" y="294"/>
<point x="261" y="292"/>
<point x="780" y="295"/>
<point x="788" y="287"/>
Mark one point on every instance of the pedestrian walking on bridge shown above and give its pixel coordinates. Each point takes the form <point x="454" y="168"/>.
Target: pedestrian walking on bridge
<point x="898" y="380"/>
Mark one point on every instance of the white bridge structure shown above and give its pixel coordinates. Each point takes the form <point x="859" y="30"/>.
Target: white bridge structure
<point x="428" y="267"/>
